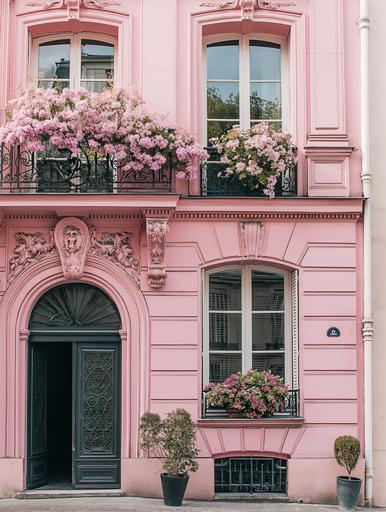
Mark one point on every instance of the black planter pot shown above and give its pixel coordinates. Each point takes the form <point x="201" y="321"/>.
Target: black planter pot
<point x="348" y="492"/>
<point x="173" y="488"/>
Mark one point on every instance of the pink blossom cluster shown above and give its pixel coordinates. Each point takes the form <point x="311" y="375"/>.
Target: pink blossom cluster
<point x="256" y="156"/>
<point x="110" y="122"/>
<point x="256" y="394"/>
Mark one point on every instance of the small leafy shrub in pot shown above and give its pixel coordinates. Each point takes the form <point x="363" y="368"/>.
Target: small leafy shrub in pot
<point x="347" y="450"/>
<point x="172" y="440"/>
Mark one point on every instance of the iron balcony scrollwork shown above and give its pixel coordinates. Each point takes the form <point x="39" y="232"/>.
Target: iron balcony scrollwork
<point x="213" y="185"/>
<point x="60" y="171"/>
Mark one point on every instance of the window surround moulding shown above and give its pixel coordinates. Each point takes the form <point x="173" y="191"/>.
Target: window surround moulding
<point x="203" y="24"/>
<point x="29" y="25"/>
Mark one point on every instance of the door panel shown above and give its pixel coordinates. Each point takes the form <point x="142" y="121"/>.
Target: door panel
<point x="96" y="443"/>
<point x="37" y="456"/>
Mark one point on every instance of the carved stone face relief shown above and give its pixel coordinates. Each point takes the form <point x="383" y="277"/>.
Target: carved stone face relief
<point x="73" y="241"/>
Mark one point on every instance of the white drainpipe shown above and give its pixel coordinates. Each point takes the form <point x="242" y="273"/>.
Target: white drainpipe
<point x="364" y="25"/>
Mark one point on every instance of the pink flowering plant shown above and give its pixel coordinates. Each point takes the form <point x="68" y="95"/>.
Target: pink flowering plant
<point x="255" y="394"/>
<point x="111" y="122"/>
<point x="256" y="156"/>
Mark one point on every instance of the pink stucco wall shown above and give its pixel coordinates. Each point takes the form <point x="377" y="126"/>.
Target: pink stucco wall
<point x="319" y="233"/>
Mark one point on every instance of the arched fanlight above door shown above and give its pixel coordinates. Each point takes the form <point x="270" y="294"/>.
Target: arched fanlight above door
<point x="74" y="306"/>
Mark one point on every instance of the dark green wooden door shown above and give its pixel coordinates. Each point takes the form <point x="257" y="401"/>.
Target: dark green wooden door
<point x="37" y="414"/>
<point x="85" y="316"/>
<point x="96" y="446"/>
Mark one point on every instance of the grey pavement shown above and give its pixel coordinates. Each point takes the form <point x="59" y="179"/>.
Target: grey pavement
<point x="109" y="504"/>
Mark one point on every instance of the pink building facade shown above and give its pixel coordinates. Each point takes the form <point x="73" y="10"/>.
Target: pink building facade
<point x="202" y="280"/>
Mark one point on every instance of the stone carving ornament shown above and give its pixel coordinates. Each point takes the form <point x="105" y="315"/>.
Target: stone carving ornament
<point x="73" y="6"/>
<point x="72" y="240"/>
<point x="252" y="239"/>
<point x="116" y="247"/>
<point x="156" y="232"/>
<point x="30" y="247"/>
<point x="247" y="6"/>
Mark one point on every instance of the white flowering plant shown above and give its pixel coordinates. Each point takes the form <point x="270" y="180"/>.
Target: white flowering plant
<point x="256" y="156"/>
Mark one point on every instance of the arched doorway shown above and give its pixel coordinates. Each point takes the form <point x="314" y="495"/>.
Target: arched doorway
<point x="74" y="390"/>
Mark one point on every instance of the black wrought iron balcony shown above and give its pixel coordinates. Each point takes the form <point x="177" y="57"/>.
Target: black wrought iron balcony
<point x="213" y="185"/>
<point x="290" y="407"/>
<point x="62" y="172"/>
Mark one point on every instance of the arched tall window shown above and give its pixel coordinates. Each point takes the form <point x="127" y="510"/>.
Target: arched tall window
<point x="250" y="321"/>
<point x="246" y="82"/>
<point x="74" y="60"/>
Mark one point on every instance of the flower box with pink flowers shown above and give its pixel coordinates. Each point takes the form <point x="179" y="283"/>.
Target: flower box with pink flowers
<point x="80" y="126"/>
<point x="257" y="157"/>
<point x="254" y="394"/>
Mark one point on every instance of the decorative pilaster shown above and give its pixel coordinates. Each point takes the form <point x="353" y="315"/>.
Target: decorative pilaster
<point x="368" y="330"/>
<point x="156" y="229"/>
<point x="252" y="239"/>
<point x="72" y="240"/>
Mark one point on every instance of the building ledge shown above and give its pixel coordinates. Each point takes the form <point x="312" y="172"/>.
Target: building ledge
<point x="274" y="422"/>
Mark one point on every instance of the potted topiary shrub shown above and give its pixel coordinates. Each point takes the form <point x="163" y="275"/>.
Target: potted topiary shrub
<point x="173" y="440"/>
<point x="347" y="450"/>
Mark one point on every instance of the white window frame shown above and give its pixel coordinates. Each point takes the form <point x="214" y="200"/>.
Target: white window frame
<point x="246" y="319"/>
<point x="75" y="54"/>
<point x="244" y="76"/>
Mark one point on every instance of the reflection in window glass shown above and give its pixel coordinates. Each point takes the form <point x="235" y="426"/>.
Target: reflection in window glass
<point x="246" y="322"/>
<point x="264" y="60"/>
<point x="223" y="92"/>
<point x="97" y="64"/>
<point x="54" y="64"/>
<point x="265" y="82"/>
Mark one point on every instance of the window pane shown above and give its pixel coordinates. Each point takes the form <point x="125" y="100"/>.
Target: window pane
<point x="223" y="100"/>
<point x="97" y="59"/>
<point x="218" y="128"/>
<point x="223" y="61"/>
<point x="95" y="86"/>
<point x="54" y="84"/>
<point x="273" y="362"/>
<point x="225" y="331"/>
<point x="265" y="101"/>
<point x="267" y="291"/>
<point x="268" y="331"/>
<point x="225" y="290"/>
<point x="264" y="60"/>
<point x="221" y="366"/>
<point x="54" y="59"/>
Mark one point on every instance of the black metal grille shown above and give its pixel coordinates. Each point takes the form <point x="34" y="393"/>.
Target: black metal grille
<point x="212" y="185"/>
<point x="250" y="474"/>
<point x="290" y="407"/>
<point x="60" y="171"/>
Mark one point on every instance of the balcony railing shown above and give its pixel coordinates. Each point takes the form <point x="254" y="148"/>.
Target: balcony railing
<point x="290" y="408"/>
<point x="63" y="172"/>
<point x="213" y="185"/>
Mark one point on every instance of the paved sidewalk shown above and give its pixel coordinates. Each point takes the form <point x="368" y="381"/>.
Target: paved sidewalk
<point x="151" y="505"/>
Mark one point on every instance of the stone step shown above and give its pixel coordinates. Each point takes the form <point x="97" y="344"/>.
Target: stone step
<point x="41" y="494"/>
<point x="270" y="497"/>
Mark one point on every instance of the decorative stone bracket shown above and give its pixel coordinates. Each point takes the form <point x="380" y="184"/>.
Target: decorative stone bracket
<point x="252" y="239"/>
<point x="156" y="229"/>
